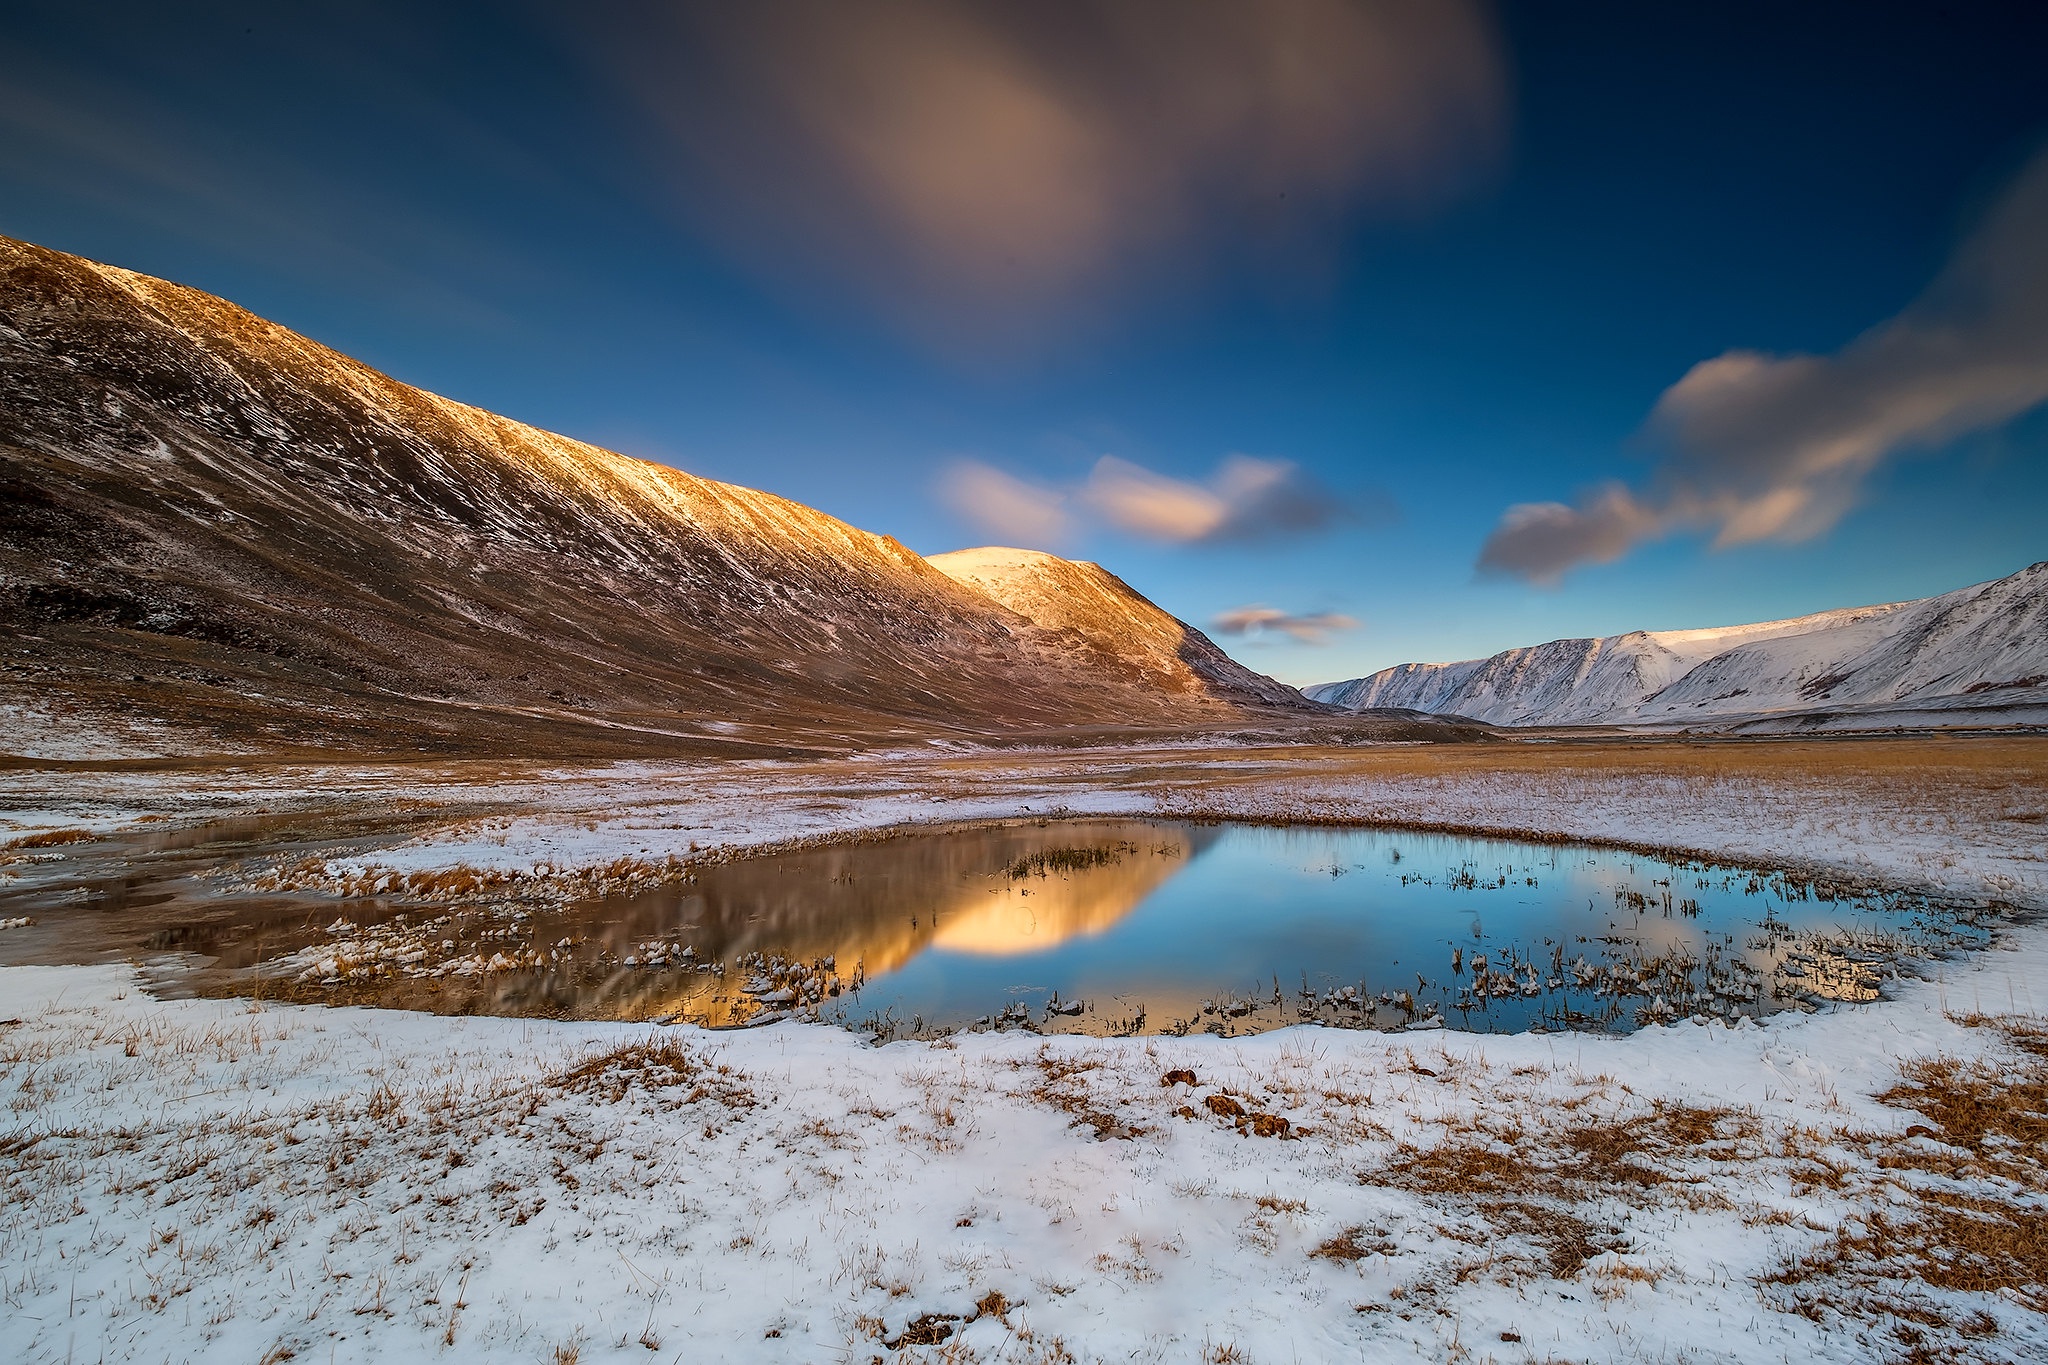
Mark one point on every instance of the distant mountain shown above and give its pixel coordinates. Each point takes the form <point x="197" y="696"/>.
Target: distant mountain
<point x="218" y="535"/>
<point x="1975" y="656"/>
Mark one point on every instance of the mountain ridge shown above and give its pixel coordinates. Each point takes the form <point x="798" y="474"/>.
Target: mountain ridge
<point x="217" y="532"/>
<point x="1974" y="656"/>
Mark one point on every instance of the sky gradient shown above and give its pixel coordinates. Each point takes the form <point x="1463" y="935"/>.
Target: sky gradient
<point x="1357" y="333"/>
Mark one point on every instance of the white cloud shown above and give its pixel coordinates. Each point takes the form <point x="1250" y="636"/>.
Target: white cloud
<point x="1760" y="447"/>
<point x="1010" y="508"/>
<point x="1137" y="500"/>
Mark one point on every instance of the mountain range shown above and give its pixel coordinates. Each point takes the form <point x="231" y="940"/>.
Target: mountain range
<point x="219" y="536"/>
<point x="1977" y="656"/>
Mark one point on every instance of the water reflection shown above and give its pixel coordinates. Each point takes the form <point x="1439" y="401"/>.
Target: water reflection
<point x="882" y="904"/>
<point x="1102" y="926"/>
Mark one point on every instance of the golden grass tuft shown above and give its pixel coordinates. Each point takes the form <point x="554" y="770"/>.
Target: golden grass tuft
<point x="1536" y="1184"/>
<point x="55" y="838"/>
<point x="656" y="1067"/>
<point x="1965" y="1208"/>
<point x="1355" y="1244"/>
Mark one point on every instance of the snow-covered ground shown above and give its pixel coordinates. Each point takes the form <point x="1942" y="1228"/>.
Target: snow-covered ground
<point x="1960" y="817"/>
<point x="202" y="1180"/>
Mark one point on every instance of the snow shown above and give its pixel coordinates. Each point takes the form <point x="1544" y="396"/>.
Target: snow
<point x="1900" y="815"/>
<point x="215" y="1180"/>
<point x="1969" y="656"/>
<point x="199" y="1180"/>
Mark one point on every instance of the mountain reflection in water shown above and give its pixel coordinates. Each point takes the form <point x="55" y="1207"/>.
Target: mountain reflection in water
<point x="814" y="924"/>
<point x="1028" y="911"/>
<point x="1099" y="926"/>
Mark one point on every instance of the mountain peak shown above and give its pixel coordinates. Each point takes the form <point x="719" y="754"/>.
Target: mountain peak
<point x="1088" y="604"/>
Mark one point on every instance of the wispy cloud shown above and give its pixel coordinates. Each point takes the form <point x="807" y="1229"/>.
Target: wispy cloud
<point x="1539" y="541"/>
<point x="1760" y="447"/>
<point x="1004" y="505"/>
<point x="1247" y="499"/>
<point x="1312" y="628"/>
<point x="977" y="165"/>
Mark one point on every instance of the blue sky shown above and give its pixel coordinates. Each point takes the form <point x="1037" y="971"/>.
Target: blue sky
<point x="1279" y="307"/>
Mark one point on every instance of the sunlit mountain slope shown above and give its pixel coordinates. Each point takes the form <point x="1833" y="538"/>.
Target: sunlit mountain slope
<point x="217" y="534"/>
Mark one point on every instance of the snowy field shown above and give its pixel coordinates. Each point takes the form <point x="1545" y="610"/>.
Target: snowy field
<point x="216" y="1180"/>
<point x="1966" y="817"/>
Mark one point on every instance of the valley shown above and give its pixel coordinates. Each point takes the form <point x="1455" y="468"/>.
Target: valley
<point x="443" y="863"/>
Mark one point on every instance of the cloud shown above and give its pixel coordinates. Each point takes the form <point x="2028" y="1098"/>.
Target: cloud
<point x="1017" y="511"/>
<point x="1246" y="500"/>
<point x="1760" y="447"/>
<point x="1152" y="505"/>
<point x="1540" y="540"/>
<point x="1314" y="628"/>
<point x="975" y="165"/>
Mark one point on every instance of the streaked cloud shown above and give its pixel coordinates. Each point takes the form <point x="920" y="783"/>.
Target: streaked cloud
<point x="1247" y="499"/>
<point x="1760" y="447"/>
<point x="1008" y="507"/>
<point x="1312" y="628"/>
<point x="978" y="167"/>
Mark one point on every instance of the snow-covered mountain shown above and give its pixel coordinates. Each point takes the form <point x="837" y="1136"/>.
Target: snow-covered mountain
<point x="1975" y="656"/>
<point x="215" y="533"/>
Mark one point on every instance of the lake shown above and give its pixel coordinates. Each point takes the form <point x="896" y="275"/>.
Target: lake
<point x="1096" y="926"/>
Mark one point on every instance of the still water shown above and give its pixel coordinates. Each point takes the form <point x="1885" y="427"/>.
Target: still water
<point x="1106" y="927"/>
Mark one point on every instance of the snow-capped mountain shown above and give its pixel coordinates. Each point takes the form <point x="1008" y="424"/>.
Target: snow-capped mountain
<point x="214" y="528"/>
<point x="1978" y="655"/>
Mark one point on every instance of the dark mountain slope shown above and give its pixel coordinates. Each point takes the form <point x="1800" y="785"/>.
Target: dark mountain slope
<point x="216" y="534"/>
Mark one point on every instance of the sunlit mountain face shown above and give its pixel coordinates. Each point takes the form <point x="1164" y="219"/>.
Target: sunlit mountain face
<point x="239" y="540"/>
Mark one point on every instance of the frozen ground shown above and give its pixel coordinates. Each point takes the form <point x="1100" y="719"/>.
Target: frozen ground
<point x="1966" y="817"/>
<point x="202" y="1180"/>
<point x="208" y="1180"/>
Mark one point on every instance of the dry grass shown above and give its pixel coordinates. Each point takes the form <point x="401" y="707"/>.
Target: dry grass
<point x="1355" y="1244"/>
<point x="1964" y="1204"/>
<point x="2008" y="766"/>
<point x="1047" y="862"/>
<point x="55" y="838"/>
<point x="1537" y="1187"/>
<point x="656" y="1067"/>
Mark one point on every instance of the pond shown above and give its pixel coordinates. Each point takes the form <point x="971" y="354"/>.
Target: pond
<point x="1097" y="926"/>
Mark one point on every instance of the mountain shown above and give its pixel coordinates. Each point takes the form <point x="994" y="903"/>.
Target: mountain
<point x="219" y="536"/>
<point x="1975" y="656"/>
<point x="1090" y="607"/>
